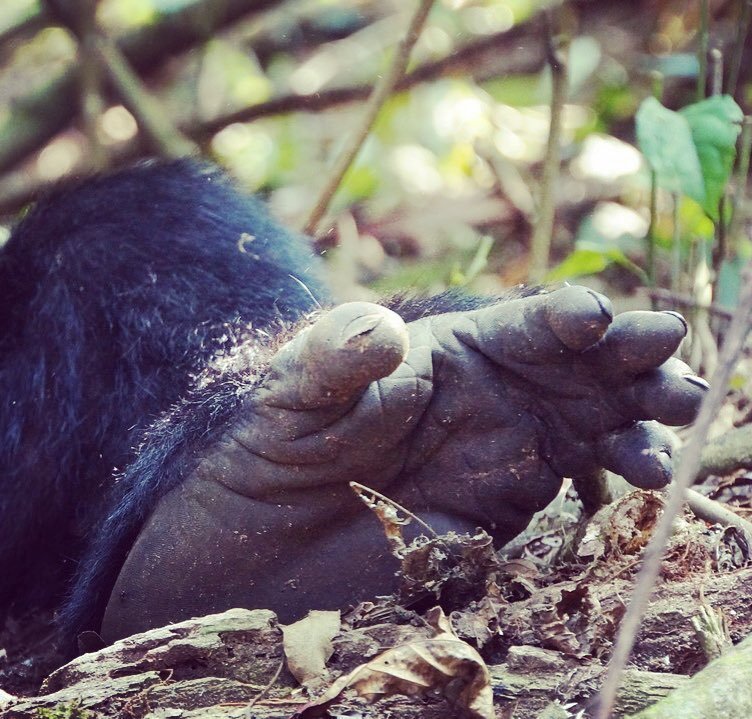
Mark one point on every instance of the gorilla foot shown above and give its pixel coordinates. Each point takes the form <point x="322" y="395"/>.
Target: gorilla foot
<point x="467" y="418"/>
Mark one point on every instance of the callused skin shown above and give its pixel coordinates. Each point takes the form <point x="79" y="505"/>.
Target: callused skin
<point x="468" y="418"/>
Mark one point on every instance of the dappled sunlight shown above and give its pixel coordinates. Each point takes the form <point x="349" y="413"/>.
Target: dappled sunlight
<point x="248" y="149"/>
<point x="612" y="221"/>
<point x="58" y="158"/>
<point x="606" y="159"/>
<point x="341" y="59"/>
<point x="117" y="125"/>
<point x="462" y="115"/>
<point x="416" y="168"/>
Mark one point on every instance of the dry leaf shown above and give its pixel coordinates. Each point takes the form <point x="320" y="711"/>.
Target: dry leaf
<point x="479" y="622"/>
<point x="388" y="514"/>
<point x="308" y="645"/>
<point x="553" y="632"/>
<point x="440" y="663"/>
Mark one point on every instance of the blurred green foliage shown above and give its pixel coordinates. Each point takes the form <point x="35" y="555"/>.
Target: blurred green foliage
<point x="448" y="180"/>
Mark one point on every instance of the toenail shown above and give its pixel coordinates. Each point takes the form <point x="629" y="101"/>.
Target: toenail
<point x="697" y="381"/>
<point x="605" y="308"/>
<point x="360" y="326"/>
<point x="678" y="317"/>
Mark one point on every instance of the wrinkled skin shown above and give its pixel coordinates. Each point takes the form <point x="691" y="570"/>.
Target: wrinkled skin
<point x="468" y="419"/>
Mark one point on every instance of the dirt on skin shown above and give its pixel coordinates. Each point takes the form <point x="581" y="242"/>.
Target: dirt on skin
<point x="519" y="632"/>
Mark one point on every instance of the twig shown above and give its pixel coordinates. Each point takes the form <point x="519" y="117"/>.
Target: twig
<point x="469" y="59"/>
<point x="265" y="690"/>
<point x="17" y="190"/>
<point x="540" y="244"/>
<point x="379" y="96"/>
<point x="736" y="54"/>
<point x="144" y="107"/>
<point x="727" y="453"/>
<point x="716" y="71"/>
<point x="360" y="489"/>
<point x="689" y="303"/>
<point x="650" y="236"/>
<point x="657" y="83"/>
<point x="685" y="472"/>
<point x="716" y="513"/>
<point x="740" y="182"/>
<point x="37" y="117"/>
<point x="702" y="51"/>
<point x="34" y="21"/>
<point x="90" y="82"/>
<point x="720" y="249"/>
<point x="675" y="246"/>
<point x="99" y="52"/>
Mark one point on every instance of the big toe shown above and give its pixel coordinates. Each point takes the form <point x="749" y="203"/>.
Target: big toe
<point x="338" y="356"/>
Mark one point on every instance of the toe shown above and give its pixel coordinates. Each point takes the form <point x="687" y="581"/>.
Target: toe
<point x="338" y="356"/>
<point x="578" y="316"/>
<point x="639" y="341"/>
<point x="641" y="454"/>
<point x="540" y="329"/>
<point x="671" y="393"/>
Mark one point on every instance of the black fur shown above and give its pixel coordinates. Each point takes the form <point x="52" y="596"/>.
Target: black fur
<point x="113" y="295"/>
<point x="136" y="310"/>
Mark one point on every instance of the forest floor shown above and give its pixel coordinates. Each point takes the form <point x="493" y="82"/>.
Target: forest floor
<point x="520" y="635"/>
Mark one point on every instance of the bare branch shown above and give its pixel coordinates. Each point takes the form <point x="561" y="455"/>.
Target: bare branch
<point x="540" y="244"/>
<point x="152" y="120"/>
<point x="381" y="92"/>
<point x="716" y="513"/>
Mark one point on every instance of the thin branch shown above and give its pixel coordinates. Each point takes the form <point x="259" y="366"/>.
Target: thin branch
<point x="716" y="71"/>
<point x="676" y="254"/>
<point x="468" y="59"/>
<point x="91" y="82"/>
<point x="687" y="302"/>
<point x="100" y="52"/>
<point x="32" y="23"/>
<point x="18" y="189"/>
<point x="720" y="249"/>
<point x="361" y="489"/>
<point x="727" y="453"/>
<point x="735" y="64"/>
<point x="540" y="244"/>
<point x="35" y="118"/>
<point x="685" y="473"/>
<point x="740" y="184"/>
<point x="716" y="513"/>
<point x="657" y="83"/>
<point x="702" y="51"/>
<point x="380" y="95"/>
<point x="650" y="237"/>
<point x="150" y="116"/>
<point x="266" y="688"/>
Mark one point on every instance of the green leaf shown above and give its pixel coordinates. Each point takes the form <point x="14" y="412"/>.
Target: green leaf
<point x="665" y="139"/>
<point x="577" y="264"/>
<point x="588" y="261"/>
<point x="715" y="124"/>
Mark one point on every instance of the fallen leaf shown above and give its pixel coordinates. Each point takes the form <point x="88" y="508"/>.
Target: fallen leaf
<point x="442" y="663"/>
<point x="308" y="646"/>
